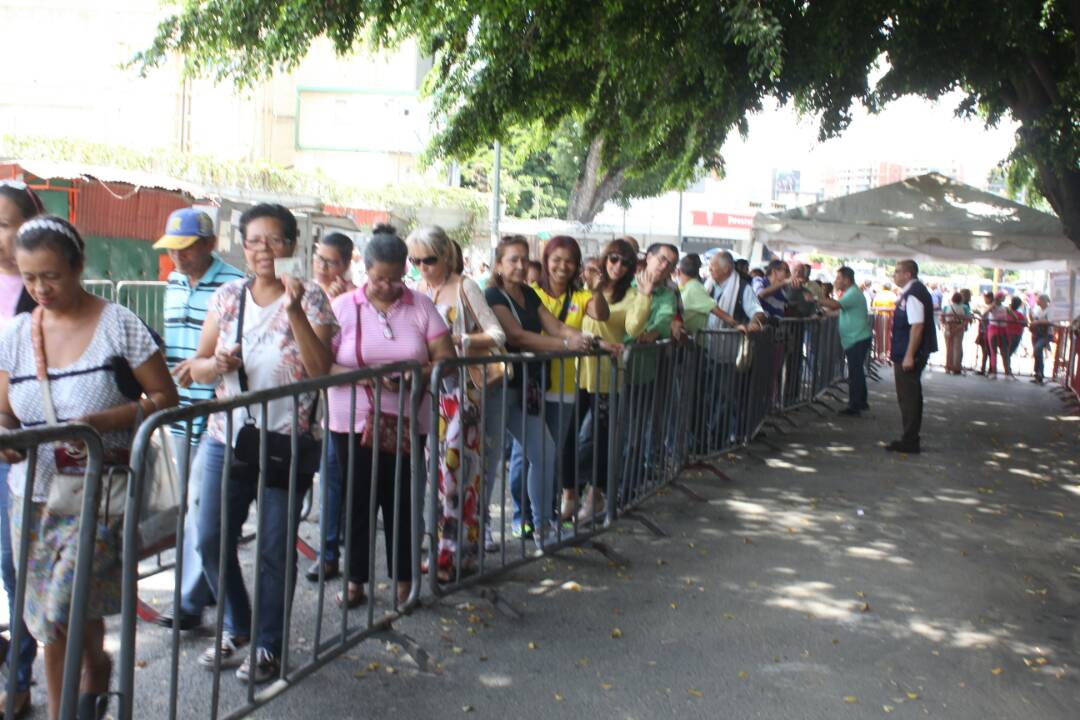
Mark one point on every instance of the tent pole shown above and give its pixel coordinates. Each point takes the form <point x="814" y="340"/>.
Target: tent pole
<point x="1072" y="295"/>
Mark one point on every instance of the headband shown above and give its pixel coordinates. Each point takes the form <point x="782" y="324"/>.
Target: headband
<point x="20" y="185"/>
<point x="57" y="226"/>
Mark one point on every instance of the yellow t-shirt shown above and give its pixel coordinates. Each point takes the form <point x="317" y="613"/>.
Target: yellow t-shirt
<point x="627" y="319"/>
<point x="562" y="375"/>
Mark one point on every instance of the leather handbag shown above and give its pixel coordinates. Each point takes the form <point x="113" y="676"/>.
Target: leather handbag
<point x="384" y="435"/>
<point x="278" y="445"/>
<point x="495" y="370"/>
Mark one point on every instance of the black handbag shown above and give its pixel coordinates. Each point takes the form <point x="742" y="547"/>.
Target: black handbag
<point x="278" y="445"/>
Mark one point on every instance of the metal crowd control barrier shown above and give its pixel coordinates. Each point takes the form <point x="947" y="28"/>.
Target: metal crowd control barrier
<point x="405" y="473"/>
<point x="102" y="288"/>
<point x="731" y="400"/>
<point x="466" y="458"/>
<point x="145" y="298"/>
<point x="30" y="441"/>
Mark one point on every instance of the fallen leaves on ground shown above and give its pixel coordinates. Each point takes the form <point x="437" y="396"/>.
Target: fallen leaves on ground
<point x="616" y="633"/>
<point x="850" y="699"/>
<point x="997" y="671"/>
<point x="695" y="693"/>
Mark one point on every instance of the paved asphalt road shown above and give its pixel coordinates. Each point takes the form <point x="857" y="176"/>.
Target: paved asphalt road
<point x="824" y="578"/>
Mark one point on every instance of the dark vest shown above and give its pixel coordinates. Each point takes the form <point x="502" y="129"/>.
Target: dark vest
<point x="739" y="314"/>
<point x="901" y="329"/>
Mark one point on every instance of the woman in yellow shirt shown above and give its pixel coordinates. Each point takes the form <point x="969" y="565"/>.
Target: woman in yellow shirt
<point x="561" y="291"/>
<point x="628" y="313"/>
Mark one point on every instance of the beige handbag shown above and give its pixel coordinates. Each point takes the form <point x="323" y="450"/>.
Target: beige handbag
<point x="495" y="370"/>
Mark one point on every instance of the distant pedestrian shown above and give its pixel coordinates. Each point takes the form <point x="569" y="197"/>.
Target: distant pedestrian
<point x="1039" y="323"/>
<point x="914" y="339"/>
<point x="855" y="337"/>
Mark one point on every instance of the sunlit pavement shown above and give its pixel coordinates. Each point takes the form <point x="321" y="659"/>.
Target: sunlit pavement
<point x="824" y="579"/>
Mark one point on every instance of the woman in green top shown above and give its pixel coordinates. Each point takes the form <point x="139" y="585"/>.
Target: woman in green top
<point x="628" y="314"/>
<point x="561" y="291"/>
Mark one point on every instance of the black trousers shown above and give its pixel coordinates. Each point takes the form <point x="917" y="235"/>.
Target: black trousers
<point x="909" y="396"/>
<point x="362" y="533"/>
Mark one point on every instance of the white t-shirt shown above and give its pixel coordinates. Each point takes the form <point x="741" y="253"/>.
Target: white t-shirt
<point x="86" y="386"/>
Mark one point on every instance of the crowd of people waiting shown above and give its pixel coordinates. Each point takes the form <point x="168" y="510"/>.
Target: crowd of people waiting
<point x="66" y="355"/>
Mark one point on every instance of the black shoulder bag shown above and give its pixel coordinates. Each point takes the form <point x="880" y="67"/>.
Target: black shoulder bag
<point x="278" y="445"/>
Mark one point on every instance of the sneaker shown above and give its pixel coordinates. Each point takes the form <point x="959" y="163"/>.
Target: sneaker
<point x="230" y="648"/>
<point x="518" y="531"/>
<point x="902" y="447"/>
<point x="330" y="571"/>
<point x="187" y="621"/>
<point x="266" y="667"/>
<point x="489" y="541"/>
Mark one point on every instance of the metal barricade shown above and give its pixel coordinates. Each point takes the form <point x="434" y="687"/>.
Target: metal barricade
<point x="145" y="298"/>
<point x="495" y="432"/>
<point x="236" y="485"/>
<point x="29" y="442"/>
<point x="102" y="288"/>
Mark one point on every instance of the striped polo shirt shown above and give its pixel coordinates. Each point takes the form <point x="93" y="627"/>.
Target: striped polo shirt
<point x="185" y="313"/>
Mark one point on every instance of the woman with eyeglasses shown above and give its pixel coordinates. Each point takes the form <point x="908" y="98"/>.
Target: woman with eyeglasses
<point x="382" y="322"/>
<point x="473" y="326"/>
<point x="261" y="332"/>
<point x="330" y="266"/>
<point x="529" y="327"/>
<point x="18" y="203"/>
<point x="629" y="308"/>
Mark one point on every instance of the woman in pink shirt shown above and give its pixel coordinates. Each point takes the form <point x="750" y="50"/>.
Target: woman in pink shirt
<point x="394" y="324"/>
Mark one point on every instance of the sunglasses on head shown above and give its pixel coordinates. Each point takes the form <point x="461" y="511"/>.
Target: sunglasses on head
<point x="625" y="262"/>
<point x="429" y="260"/>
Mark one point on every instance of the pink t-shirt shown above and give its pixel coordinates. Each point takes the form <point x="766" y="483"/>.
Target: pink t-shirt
<point x="413" y="321"/>
<point x="11" y="287"/>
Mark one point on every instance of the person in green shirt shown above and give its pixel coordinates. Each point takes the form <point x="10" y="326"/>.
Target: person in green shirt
<point x="855" y="334"/>
<point x="697" y="303"/>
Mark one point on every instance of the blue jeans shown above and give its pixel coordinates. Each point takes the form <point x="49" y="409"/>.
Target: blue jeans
<point x="331" y="513"/>
<point x="538" y="449"/>
<point x="273" y="534"/>
<point x="23" y="660"/>
<point x="858" y="398"/>
<point x="554" y="413"/>
<point x="195" y="593"/>
<point x="1038" y="347"/>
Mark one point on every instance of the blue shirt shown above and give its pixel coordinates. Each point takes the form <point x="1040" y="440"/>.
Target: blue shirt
<point x="773" y="305"/>
<point x="185" y="313"/>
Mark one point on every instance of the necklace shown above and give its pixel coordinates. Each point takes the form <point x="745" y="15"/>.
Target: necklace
<point x="434" y="291"/>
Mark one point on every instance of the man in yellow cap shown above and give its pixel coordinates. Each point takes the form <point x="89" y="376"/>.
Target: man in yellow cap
<point x="189" y="239"/>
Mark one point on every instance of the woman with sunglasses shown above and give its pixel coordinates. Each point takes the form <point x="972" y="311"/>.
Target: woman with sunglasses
<point x="473" y="326"/>
<point x="628" y="314"/>
<point x="561" y="290"/>
<point x="529" y="327"/>
<point x="283" y="338"/>
<point x="18" y="203"/>
<point x="382" y="322"/>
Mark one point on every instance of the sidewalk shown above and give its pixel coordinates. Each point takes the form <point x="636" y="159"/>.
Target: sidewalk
<point x="827" y="580"/>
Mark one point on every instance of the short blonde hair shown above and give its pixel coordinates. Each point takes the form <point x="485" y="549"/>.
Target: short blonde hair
<point x="435" y="239"/>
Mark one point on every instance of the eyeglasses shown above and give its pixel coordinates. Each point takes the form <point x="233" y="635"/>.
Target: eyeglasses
<point x="387" y="332"/>
<point x="326" y="262"/>
<point x="429" y="260"/>
<point x="275" y="242"/>
<point x="619" y="259"/>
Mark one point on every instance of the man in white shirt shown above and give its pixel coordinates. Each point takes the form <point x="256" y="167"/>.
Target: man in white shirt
<point x="1039" y="324"/>
<point x="914" y="339"/>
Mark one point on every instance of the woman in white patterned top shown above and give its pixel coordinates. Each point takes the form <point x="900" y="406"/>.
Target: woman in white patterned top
<point x="82" y="343"/>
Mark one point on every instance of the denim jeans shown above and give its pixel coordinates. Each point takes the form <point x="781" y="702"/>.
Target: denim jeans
<point x="1038" y="348"/>
<point x="195" y="593"/>
<point x="554" y="413"/>
<point x="27" y="651"/>
<point x="538" y="445"/>
<point x="331" y="513"/>
<point x="517" y="473"/>
<point x="858" y="397"/>
<point x="273" y="534"/>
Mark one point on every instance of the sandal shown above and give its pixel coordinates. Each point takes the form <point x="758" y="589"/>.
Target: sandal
<point x="404" y="589"/>
<point x="356" y="596"/>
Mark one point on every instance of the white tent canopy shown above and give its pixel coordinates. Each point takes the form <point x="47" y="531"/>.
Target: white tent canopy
<point x="929" y="218"/>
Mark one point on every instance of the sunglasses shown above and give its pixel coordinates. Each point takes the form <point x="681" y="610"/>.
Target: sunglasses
<point x="429" y="260"/>
<point x="619" y="259"/>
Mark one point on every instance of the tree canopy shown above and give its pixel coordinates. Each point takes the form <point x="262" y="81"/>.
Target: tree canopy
<point x="657" y="85"/>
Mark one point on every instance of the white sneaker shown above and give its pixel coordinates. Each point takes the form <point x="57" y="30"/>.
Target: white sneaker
<point x="266" y="667"/>
<point x="230" y="647"/>
<point x="489" y="541"/>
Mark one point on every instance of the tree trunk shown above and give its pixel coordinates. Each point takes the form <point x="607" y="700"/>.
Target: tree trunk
<point x="594" y="187"/>
<point x="1063" y="193"/>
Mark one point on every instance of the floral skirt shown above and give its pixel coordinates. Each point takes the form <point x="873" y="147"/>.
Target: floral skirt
<point x="50" y="578"/>
<point x="460" y="481"/>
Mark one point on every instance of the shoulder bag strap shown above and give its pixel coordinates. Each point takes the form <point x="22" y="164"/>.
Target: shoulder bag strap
<point x="565" y="306"/>
<point x="513" y="308"/>
<point x="241" y="374"/>
<point x="37" y="337"/>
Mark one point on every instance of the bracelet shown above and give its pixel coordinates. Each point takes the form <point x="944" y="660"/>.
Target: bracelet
<point x="566" y="343"/>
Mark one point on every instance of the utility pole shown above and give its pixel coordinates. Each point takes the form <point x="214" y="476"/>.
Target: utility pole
<point x="680" y="222"/>
<point x="496" y="205"/>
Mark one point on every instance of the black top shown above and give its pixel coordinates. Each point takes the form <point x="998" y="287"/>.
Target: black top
<point x="529" y="317"/>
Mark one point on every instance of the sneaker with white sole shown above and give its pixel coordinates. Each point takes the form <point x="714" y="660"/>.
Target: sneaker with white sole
<point x="267" y="667"/>
<point x="230" y="648"/>
<point x="489" y="541"/>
